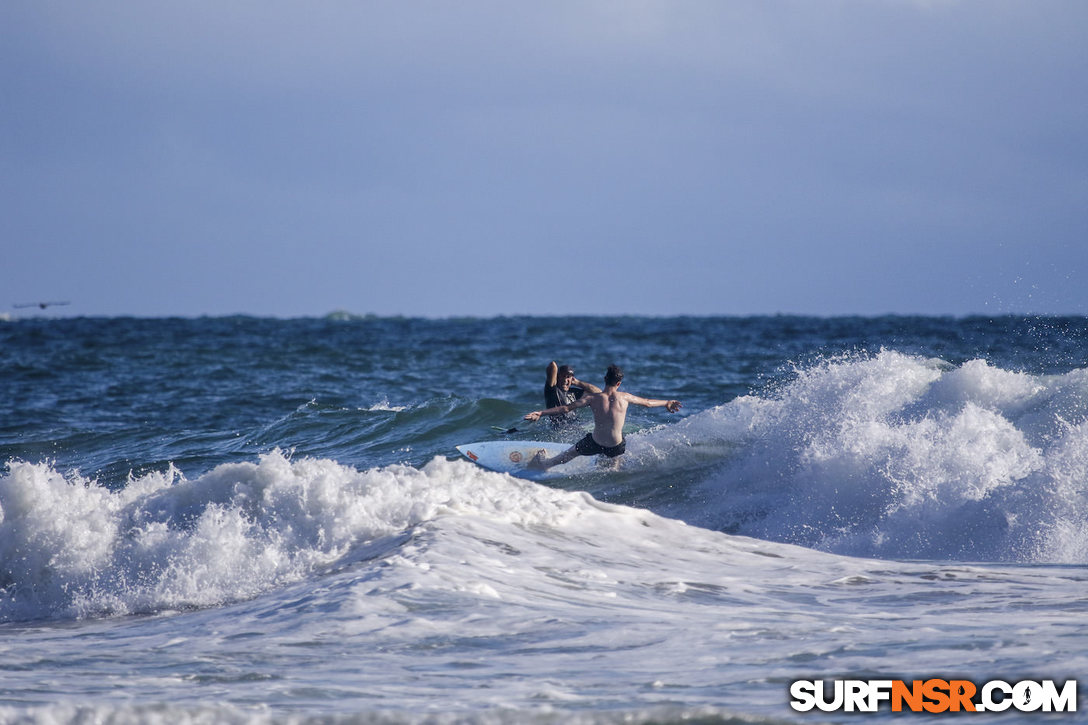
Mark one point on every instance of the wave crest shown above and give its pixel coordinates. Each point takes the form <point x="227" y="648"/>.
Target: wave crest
<point x="72" y="548"/>
<point x="899" y="456"/>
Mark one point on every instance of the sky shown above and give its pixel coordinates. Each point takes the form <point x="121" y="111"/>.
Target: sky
<point x="727" y="157"/>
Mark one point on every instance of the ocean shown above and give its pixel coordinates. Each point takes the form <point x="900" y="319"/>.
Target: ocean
<point x="249" y="520"/>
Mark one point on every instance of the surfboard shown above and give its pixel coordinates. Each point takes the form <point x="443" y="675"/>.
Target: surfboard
<point x="513" y="457"/>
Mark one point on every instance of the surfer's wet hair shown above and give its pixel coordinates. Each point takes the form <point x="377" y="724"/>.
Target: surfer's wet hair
<point x="613" y="376"/>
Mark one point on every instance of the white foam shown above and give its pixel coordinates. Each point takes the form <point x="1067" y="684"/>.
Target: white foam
<point x="384" y="406"/>
<point x="453" y="585"/>
<point x="904" y="457"/>
<point x="75" y="548"/>
<point x="72" y="548"/>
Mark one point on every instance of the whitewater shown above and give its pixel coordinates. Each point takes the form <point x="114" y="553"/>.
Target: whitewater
<point x="243" y="520"/>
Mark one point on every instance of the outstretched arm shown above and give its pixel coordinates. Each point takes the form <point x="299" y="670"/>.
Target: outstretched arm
<point x="670" y="405"/>
<point x="559" y="409"/>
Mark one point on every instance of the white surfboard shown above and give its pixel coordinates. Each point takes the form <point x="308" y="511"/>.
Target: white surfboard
<point x="513" y="457"/>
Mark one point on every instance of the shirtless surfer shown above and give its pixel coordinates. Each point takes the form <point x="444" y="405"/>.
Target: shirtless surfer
<point x="609" y="414"/>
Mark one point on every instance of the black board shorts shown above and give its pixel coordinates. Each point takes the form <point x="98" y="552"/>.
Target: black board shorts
<point x="589" y="447"/>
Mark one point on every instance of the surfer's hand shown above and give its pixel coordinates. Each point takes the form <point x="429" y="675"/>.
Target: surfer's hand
<point x="535" y="415"/>
<point x="672" y="406"/>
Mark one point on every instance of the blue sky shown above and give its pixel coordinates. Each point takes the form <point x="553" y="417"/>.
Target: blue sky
<point x="484" y="158"/>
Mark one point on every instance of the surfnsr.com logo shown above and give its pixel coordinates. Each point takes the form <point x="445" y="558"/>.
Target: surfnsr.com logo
<point x="933" y="695"/>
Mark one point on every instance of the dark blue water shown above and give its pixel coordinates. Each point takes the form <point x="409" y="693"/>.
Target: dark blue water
<point x="110" y="396"/>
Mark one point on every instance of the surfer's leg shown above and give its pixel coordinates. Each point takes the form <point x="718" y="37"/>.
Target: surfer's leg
<point x="611" y="457"/>
<point x="605" y="463"/>
<point x="540" y="461"/>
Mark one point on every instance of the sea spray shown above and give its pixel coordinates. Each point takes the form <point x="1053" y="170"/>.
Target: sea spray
<point x="900" y="456"/>
<point x="70" y="547"/>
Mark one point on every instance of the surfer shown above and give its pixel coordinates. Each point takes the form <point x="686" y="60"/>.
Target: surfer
<point x="609" y="414"/>
<point x="562" y="388"/>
